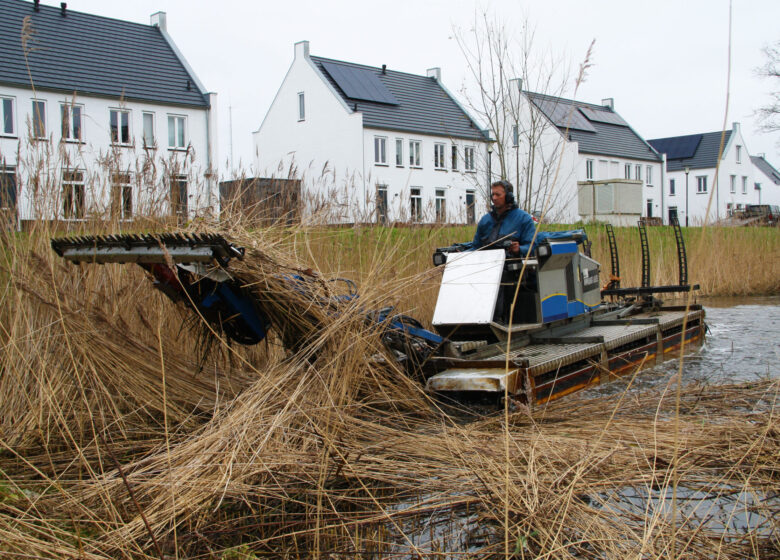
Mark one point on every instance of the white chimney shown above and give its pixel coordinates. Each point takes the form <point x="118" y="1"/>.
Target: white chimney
<point x="516" y="84"/>
<point x="434" y="73"/>
<point x="735" y="126"/>
<point x="609" y="103"/>
<point x="302" y="49"/>
<point x="160" y="19"/>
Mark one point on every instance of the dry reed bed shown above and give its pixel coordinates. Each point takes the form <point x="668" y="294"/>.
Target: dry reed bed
<point x="121" y="438"/>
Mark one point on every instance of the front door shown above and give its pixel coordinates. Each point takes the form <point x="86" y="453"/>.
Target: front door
<point x="470" y="211"/>
<point x="672" y="214"/>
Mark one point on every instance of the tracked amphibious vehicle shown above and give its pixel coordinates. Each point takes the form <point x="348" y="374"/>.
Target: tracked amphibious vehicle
<point x="534" y="328"/>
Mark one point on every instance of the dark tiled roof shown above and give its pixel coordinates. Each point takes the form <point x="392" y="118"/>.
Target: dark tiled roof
<point x="598" y="129"/>
<point x="424" y="107"/>
<point x="93" y="55"/>
<point x="705" y="156"/>
<point x="766" y="168"/>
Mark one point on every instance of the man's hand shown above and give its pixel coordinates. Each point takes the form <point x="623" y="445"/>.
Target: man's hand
<point x="514" y="248"/>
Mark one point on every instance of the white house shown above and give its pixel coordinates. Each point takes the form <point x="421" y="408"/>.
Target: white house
<point x="100" y="117"/>
<point x="555" y="146"/>
<point x="767" y="180"/>
<point x="691" y="181"/>
<point x="372" y="144"/>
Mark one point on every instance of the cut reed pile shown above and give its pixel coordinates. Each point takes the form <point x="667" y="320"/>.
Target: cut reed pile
<point x="122" y="438"/>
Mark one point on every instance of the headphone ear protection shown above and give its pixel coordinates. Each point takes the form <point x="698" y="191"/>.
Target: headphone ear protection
<point x="508" y="190"/>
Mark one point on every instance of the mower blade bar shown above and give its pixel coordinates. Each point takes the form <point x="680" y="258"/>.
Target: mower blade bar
<point x="146" y="249"/>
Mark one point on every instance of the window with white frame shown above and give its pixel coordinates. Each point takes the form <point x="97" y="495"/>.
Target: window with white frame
<point x="454" y="158"/>
<point x="468" y="158"/>
<point x="38" y="119"/>
<point x="744" y="185"/>
<point x="589" y="169"/>
<point x="7" y="116"/>
<point x="72" y="122"/>
<point x="7" y="187"/>
<point x="399" y="152"/>
<point x="733" y="183"/>
<point x="701" y="184"/>
<point x="178" y="196"/>
<point x="121" y="196"/>
<point x="627" y="171"/>
<point x="415" y="204"/>
<point x="380" y="150"/>
<point x="73" y="192"/>
<point x="649" y="176"/>
<point x="149" y="140"/>
<point x="177" y="132"/>
<point x="438" y="157"/>
<point x="638" y="172"/>
<point x="301" y="106"/>
<point x="672" y="187"/>
<point x="415" y="153"/>
<point x="381" y="204"/>
<point x="119" y="122"/>
<point x="441" y="206"/>
<point x="739" y="154"/>
<point x="515" y="136"/>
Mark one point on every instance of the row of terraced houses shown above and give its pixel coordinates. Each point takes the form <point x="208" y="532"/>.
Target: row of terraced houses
<point x="102" y="117"/>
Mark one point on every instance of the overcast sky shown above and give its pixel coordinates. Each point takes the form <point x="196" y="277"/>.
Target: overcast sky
<point x="664" y="62"/>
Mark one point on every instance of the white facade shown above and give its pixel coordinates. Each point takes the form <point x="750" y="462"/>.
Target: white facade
<point x="767" y="187"/>
<point x="76" y="158"/>
<point x="556" y="165"/>
<point x="728" y="192"/>
<point x="351" y="173"/>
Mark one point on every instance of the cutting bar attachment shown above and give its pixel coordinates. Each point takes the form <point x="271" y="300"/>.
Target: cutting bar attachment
<point x="147" y="248"/>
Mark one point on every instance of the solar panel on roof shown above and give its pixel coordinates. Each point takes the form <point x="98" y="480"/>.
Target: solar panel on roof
<point x="603" y="116"/>
<point x="359" y="83"/>
<point x="564" y="115"/>
<point x="680" y="147"/>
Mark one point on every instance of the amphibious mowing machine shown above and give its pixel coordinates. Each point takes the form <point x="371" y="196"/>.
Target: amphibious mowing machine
<point x="564" y="332"/>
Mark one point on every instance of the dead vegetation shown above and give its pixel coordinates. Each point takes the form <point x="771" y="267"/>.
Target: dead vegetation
<point x="122" y="437"/>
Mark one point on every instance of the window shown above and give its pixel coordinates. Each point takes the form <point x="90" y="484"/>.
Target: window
<point x="471" y="216"/>
<point x="438" y="157"/>
<point x="638" y="172"/>
<point x="729" y="209"/>
<point x="415" y="204"/>
<point x="7" y="116"/>
<point x="71" y="122"/>
<point x="39" y="119"/>
<point x="119" y="120"/>
<point x="589" y="169"/>
<point x="739" y="154"/>
<point x="649" y="176"/>
<point x="149" y="141"/>
<point x="381" y="204"/>
<point x="627" y="171"/>
<point x="301" y="106"/>
<point x="380" y="150"/>
<point x="178" y="197"/>
<point x="121" y="196"/>
<point x="399" y="152"/>
<point x="177" y="134"/>
<point x="441" y="206"/>
<point x="744" y="185"/>
<point x="515" y="136"/>
<point x="733" y="183"/>
<point x="72" y="194"/>
<point x="468" y="158"/>
<point x="414" y="153"/>
<point x="672" y="188"/>
<point x="7" y="187"/>
<point x="454" y="157"/>
<point x="701" y="184"/>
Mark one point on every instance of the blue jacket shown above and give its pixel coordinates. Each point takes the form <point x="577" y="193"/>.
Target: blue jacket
<point x="513" y="225"/>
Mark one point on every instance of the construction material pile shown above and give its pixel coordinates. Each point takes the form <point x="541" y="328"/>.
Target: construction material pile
<point x="130" y="429"/>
